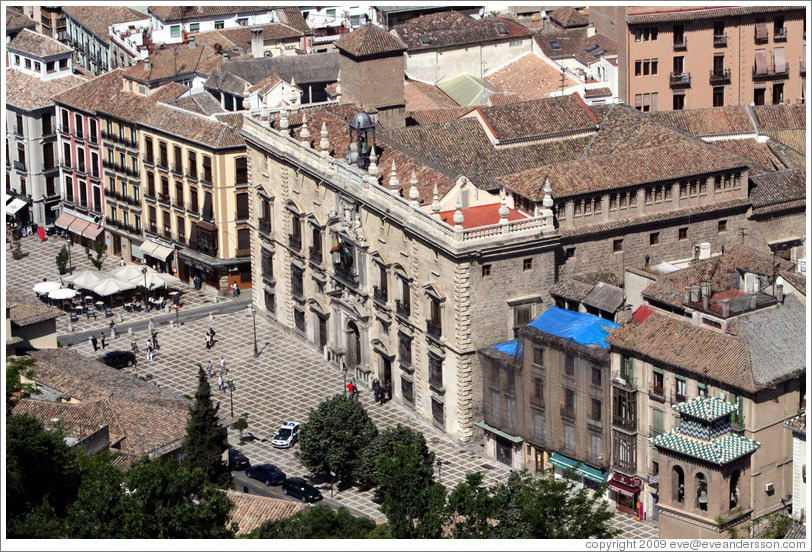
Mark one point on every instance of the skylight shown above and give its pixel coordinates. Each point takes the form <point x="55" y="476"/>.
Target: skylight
<point x="555" y="45"/>
<point x="599" y="53"/>
<point x="593" y="47"/>
<point x="500" y="28"/>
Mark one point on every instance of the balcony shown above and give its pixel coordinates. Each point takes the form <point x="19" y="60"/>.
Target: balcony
<point x="380" y="295"/>
<point x="402" y="309"/>
<point x="737" y="424"/>
<point x="720" y="77"/>
<point x="677" y="397"/>
<point x="244" y="252"/>
<point x="720" y="41"/>
<point x="594" y="424"/>
<point x="780" y="35"/>
<point x="191" y="176"/>
<point x="345" y="275"/>
<point x="178" y="205"/>
<point x="297" y="288"/>
<point x="180" y="239"/>
<point x="434" y="330"/>
<point x="624" y="423"/>
<point x="680" y="44"/>
<point x="802" y="69"/>
<point x="264" y="227"/>
<point x="64" y="129"/>
<point x="164" y="199"/>
<point x="241" y="216"/>
<point x="625" y="466"/>
<point x="771" y="71"/>
<point x="177" y="169"/>
<point x="207" y="177"/>
<point x="761" y="36"/>
<point x="537" y="401"/>
<point x="315" y="255"/>
<point x="567" y="412"/>
<point x="657" y="393"/>
<point x="680" y="80"/>
<point x="295" y="243"/>
<point x="19" y="165"/>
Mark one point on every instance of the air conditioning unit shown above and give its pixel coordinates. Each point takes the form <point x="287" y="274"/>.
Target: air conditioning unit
<point x="768" y="488"/>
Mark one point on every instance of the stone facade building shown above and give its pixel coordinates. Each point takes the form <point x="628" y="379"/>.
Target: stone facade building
<point x="96" y="33"/>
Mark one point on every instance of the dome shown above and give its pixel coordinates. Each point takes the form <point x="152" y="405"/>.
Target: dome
<point x="361" y="121"/>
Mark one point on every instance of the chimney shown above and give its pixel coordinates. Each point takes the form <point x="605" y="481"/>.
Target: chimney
<point x="705" y="300"/>
<point x="695" y="294"/>
<point x="147" y="64"/>
<point x="753" y="300"/>
<point x="686" y="297"/>
<point x="192" y="42"/>
<point x="256" y="42"/>
<point x="590" y="30"/>
<point x="779" y="292"/>
<point x="725" y="308"/>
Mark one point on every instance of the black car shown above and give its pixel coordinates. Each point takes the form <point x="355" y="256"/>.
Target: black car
<point x="268" y="473"/>
<point x="301" y="489"/>
<point x="237" y="460"/>
<point x="118" y="359"/>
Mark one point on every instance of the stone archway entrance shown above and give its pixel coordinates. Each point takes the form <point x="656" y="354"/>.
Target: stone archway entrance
<point x="353" y="346"/>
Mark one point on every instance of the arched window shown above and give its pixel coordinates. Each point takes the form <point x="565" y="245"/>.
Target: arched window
<point x="678" y="484"/>
<point x="701" y="492"/>
<point x="734" y="489"/>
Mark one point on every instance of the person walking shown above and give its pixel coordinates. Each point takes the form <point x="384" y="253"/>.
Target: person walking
<point x="220" y="385"/>
<point x="388" y="388"/>
<point x="208" y="340"/>
<point x="223" y="369"/>
<point x="121" y="262"/>
<point x="209" y="367"/>
<point x="95" y="343"/>
<point x="149" y="349"/>
<point x="376" y="389"/>
<point x="101" y="338"/>
<point x="236" y="289"/>
<point x="350" y="388"/>
<point x="155" y="340"/>
<point x="113" y="330"/>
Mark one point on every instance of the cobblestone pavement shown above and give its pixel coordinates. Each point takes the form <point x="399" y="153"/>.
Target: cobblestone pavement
<point x="40" y="262"/>
<point x="283" y="384"/>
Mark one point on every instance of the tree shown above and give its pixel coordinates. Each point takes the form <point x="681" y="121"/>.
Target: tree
<point x="16" y="369"/>
<point x="206" y="438"/>
<point x="316" y="522"/>
<point x="335" y="435"/>
<point x="366" y="472"/>
<point x="16" y="247"/>
<point x="62" y="260"/>
<point x="471" y="506"/>
<point x="549" y="508"/>
<point x="99" y="508"/>
<point x="99" y="248"/>
<point x="413" y="502"/>
<point x="241" y="425"/>
<point x="42" y="477"/>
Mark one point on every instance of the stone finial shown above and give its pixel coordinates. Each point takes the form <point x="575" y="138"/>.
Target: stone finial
<point x="394" y="183"/>
<point x="503" y="210"/>
<point x="246" y="103"/>
<point x="414" y="193"/>
<point x="547" y="202"/>
<point x="373" y="164"/>
<point x="324" y="144"/>
<point x="458" y="218"/>
<point x="304" y="133"/>
<point x="264" y="113"/>
<point x="435" y="204"/>
<point x="338" y="85"/>
<point x="294" y="95"/>
<point x="284" y="122"/>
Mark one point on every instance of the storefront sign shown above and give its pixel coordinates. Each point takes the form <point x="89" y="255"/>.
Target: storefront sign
<point x="635" y="482"/>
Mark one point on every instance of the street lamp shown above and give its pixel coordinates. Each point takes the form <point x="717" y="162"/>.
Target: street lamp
<point x="253" y="310"/>
<point x="70" y="262"/>
<point x="231" y="388"/>
<point x="440" y="470"/>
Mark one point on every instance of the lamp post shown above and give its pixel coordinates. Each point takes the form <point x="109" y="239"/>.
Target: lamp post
<point x="253" y="310"/>
<point x="70" y="261"/>
<point x="440" y="471"/>
<point x="231" y="388"/>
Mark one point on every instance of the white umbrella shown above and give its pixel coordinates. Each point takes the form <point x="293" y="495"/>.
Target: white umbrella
<point x="110" y="286"/>
<point x="64" y="293"/>
<point x="131" y="273"/>
<point x="87" y="278"/>
<point x="159" y="279"/>
<point x="45" y="287"/>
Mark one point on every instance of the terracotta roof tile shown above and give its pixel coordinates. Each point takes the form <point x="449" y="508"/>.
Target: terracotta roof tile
<point x="598" y="276"/>
<point x="757" y="153"/>
<point x="251" y="511"/>
<point x="597" y="92"/>
<point x="574" y="43"/>
<point x="35" y="44"/>
<point x="292" y="16"/>
<point x="309" y="68"/>
<point x="780" y="117"/>
<point x="17" y="20"/>
<point x="528" y="77"/>
<point x="571" y="289"/>
<point x="93" y="94"/>
<point x="427" y="116"/>
<point x="173" y="13"/>
<point x="177" y="60"/>
<point x="481" y="215"/>
<point x="792" y="138"/>
<point x="241" y="36"/>
<point x="798" y="425"/>
<point x="422" y="95"/>
<point x="540" y="118"/>
<point x="24" y="311"/>
<point x="710" y="121"/>
<point x="778" y="187"/>
<point x="566" y="16"/>
<point x="647" y="14"/>
<point x="623" y="128"/>
<point x="97" y="19"/>
<point x="29" y="92"/>
<point x="369" y="40"/>
<point x="451" y="28"/>
<point x="796" y="280"/>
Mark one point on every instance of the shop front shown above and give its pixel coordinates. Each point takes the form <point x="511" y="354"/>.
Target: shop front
<point x="503" y="447"/>
<point x="18" y="214"/>
<point x="83" y="230"/>
<point x="159" y="256"/>
<point x="625" y="492"/>
<point x="586" y="475"/>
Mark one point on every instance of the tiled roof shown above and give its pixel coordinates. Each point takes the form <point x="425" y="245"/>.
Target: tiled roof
<point x="720" y="451"/>
<point x="574" y="43"/>
<point x="451" y="28"/>
<point x="759" y="154"/>
<point x="422" y="95"/>
<point x="202" y="103"/>
<point x="177" y="60"/>
<point x="528" y="77"/>
<point x="647" y="14"/>
<point x="792" y="138"/>
<point x="369" y="40"/>
<point x="605" y="297"/>
<point x="35" y="44"/>
<point x="571" y="289"/>
<point x="251" y="511"/>
<point x="798" y="424"/>
<point x="29" y="92"/>
<point x="566" y="16"/>
<point x="24" y="311"/>
<point x="173" y="13"/>
<point x="168" y="92"/>
<point x="93" y="94"/>
<point x="265" y="84"/>
<point x="796" y="531"/>
<point x="778" y="187"/>
<point x="780" y="117"/>
<point x="241" y="36"/>
<point x="427" y="116"/>
<point x="17" y="20"/>
<point x="309" y="68"/>
<point x="796" y="280"/>
<point x="97" y="19"/>
<point x="705" y="408"/>
<point x="594" y="278"/>
<point x="597" y="92"/>
<point x="623" y="128"/>
<point x="467" y="90"/>
<point x="540" y="118"/>
<point x="711" y="121"/>
<point x="292" y="16"/>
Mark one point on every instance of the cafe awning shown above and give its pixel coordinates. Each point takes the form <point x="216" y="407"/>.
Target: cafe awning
<point x="15" y="205"/>
<point x="500" y="433"/>
<point x="78" y="225"/>
<point x="578" y="467"/>
<point x="156" y="250"/>
<point x="622" y="488"/>
<point x="64" y="220"/>
<point x="92" y="231"/>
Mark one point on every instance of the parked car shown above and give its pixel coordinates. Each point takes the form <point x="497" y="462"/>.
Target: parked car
<point x="50" y="230"/>
<point x="268" y="473"/>
<point x="286" y="435"/>
<point x="237" y="460"/>
<point x="118" y="359"/>
<point x="301" y="489"/>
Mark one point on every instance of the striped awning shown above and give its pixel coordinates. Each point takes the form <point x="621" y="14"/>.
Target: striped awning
<point x="78" y="225"/>
<point x="578" y="467"/>
<point x="92" y="231"/>
<point x="156" y="250"/>
<point x="64" y="221"/>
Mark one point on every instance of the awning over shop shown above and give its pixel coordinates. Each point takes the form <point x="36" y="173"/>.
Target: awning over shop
<point x="92" y="231"/>
<point x="78" y="226"/>
<point x="579" y="468"/>
<point x="64" y="220"/>
<point x="623" y="489"/>
<point x="15" y="205"/>
<point x="500" y="433"/>
<point x="156" y="250"/>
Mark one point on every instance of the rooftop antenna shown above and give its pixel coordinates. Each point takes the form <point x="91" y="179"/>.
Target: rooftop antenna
<point x="742" y="233"/>
<point x="563" y="79"/>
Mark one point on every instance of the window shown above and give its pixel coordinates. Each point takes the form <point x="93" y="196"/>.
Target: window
<point x="435" y="370"/>
<point x="93" y="131"/>
<point x="220" y="24"/>
<point x="78" y="128"/>
<point x="597" y="376"/>
<point x="627" y="369"/>
<point x="527" y="264"/>
<point x="242" y="21"/>
<point x="405" y="349"/>
<point x="174" y="31"/>
<point x="207" y="176"/>
<point x="163" y="155"/>
<point x="150" y="154"/>
<point x="657" y="382"/>
<point x="437" y="412"/>
<point x="778" y="93"/>
<point x="646" y="67"/>
<point x="181" y="226"/>
<point x="638" y="68"/>
<point x="242" y="206"/>
<point x="194" y="27"/>
<point x="178" y="158"/>
<point x="683" y="233"/>
<point x="569" y="399"/>
<point x="21" y="154"/>
<point x="538" y="389"/>
<point x="241" y="168"/>
<point x="486" y="270"/>
<point x="680" y="389"/>
<point x="678" y="102"/>
<point x="538" y="356"/>
<point x="69" y="188"/>
<point x="759" y="95"/>
<point x="702" y="389"/>
<point x="595" y="413"/>
<point x="521" y="316"/>
<point x="20" y="128"/>
<point x="718" y="96"/>
<point x="270" y="302"/>
<point x="407" y="389"/>
<point x="722" y="226"/>
<point x="654" y="66"/>
<point x="654" y="238"/>
<point x="679" y="35"/>
<point x="569" y="364"/>
<point x="27" y="63"/>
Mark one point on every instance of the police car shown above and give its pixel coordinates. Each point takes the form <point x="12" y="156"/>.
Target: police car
<point x="286" y="435"/>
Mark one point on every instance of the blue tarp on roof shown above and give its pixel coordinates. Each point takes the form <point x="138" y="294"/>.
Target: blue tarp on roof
<point x="580" y="327"/>
<point x="508" y="347"/>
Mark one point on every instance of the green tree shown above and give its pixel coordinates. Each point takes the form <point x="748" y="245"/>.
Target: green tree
<point x="206" y="438"/>
<point x="316" y="522"/>
<point x="413" y="503"/>
<point x="549" y="508"/>
<point x="99" y="248"/>
<point x="62" y="260"/>
<point x="366" y="473"/>
<point x="42" y="477"/>
<point x="241" y="425"/>
<point x="335" y="435"/>
<point x="16" y="369"/>
<point x="471" y="506"/>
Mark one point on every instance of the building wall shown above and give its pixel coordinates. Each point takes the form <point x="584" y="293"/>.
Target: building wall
<point x="798" y="475"/>
<point x="473" y="59"/>
<point x="69" y="168"/>
<point x="90" y="51"/>
<point x="162" y="32"/>
<point x="41" y="335"/>
<point x="372" y="82"/>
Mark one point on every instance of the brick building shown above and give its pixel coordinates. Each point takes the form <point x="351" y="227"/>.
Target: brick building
<point x="686" y="58"/>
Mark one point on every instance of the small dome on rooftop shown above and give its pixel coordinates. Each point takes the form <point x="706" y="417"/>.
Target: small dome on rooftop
<point x="361" y="120"/>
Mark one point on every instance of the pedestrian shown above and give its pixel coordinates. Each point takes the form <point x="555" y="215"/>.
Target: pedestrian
<point x="155" y="340"/>
<point x="95" y="343"/>
<point x="376" y="389"/>
<point x="197" y="281"/>
<point x="121" y="262"/>
<point x="350" y="389"/>
<point x="220" y="385"/>
<point x="209" y="367"/>
<point x="113" y="330"/>
<point x="223" y="369"/>
<point x="236" y="289"/>
<point x="388" y="391"/>
<point x="101" y="338"/>
<point x="208" y="340"/>
<point x="149" y="349"/>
